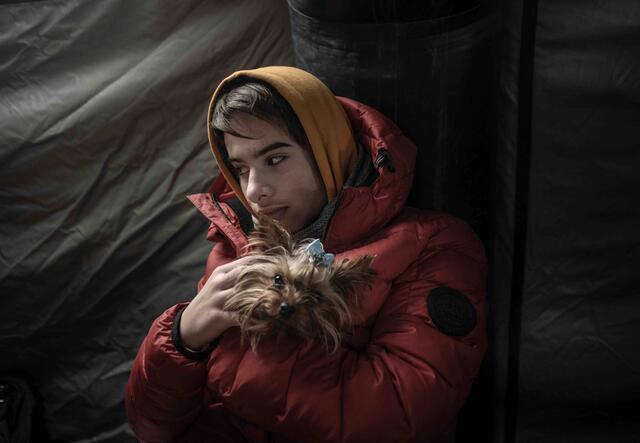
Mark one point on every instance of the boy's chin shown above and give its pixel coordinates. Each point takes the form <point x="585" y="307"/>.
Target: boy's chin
<point x="291" y="228"/>
<point x="294" y="225"/>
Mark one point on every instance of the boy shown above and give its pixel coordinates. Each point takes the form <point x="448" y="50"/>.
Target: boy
<point x="337" y="170"/>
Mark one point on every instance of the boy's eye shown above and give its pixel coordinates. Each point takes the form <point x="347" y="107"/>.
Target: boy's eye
<point x="240" y="170"/>
<point x="274" y="160"/>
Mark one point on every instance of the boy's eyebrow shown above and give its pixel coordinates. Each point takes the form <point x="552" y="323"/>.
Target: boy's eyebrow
<point x="261" y="152"/>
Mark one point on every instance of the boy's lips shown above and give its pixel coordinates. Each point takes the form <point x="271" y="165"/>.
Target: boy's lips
<point x="274" y="212"/>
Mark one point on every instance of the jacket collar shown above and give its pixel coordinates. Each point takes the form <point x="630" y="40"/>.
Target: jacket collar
<point x="363" y="211"/>
<point x="225" y="222"/>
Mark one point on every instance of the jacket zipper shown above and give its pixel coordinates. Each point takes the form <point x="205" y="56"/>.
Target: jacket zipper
<point x="383" y="159"/>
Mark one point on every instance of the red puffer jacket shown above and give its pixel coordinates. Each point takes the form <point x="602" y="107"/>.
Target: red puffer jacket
<point x="419" y="344"/>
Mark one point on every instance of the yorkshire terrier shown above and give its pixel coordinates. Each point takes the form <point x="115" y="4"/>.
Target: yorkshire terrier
<point x="296" y="289"/>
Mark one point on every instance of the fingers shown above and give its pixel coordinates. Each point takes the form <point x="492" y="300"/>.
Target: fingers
<point x="230" y="274"/>
<point x="224" y="295"/>
<point x="230" y="317"/>
<point x="227" y="274"/>
<point x="233" y="264"/>
<point x="228" y="279"/>
<point x="233" y="318"/>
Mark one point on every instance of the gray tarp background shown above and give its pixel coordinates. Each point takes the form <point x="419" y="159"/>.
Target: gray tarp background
<point x="578" y="354"/>
<point x="102" y="134"/>
<point x="565" y="272"/>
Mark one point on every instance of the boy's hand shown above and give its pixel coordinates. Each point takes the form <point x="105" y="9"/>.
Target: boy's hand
<point x="203" y="320"/>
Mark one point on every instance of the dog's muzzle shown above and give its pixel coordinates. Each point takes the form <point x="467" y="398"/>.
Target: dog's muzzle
<point x="286" y="310"/>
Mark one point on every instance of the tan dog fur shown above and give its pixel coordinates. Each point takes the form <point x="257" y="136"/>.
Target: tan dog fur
<point x="283" y="291"/>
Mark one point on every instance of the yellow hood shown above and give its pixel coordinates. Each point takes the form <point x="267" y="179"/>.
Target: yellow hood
<point x="322" y="117"/>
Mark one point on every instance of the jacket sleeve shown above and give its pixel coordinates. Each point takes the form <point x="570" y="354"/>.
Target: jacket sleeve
<point x="412" y="377"/>
<point x="165" y="391"/>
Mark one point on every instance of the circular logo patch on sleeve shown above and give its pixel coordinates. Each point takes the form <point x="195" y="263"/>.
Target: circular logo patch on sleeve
<point x="451" y="311"/>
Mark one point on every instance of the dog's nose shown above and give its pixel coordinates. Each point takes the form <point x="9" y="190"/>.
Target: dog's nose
<point x="286" y="310"/>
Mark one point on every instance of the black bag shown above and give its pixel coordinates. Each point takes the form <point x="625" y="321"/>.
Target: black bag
<point x="17" y="404"/>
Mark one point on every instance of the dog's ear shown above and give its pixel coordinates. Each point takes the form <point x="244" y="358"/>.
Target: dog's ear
<point x="269" y="235"/>
<point x="350" y="275"/>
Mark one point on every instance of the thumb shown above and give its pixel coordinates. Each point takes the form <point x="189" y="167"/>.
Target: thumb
<point x="231" y="318"/>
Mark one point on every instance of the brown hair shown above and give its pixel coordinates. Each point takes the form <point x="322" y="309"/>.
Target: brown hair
<point x="245" y="95"/>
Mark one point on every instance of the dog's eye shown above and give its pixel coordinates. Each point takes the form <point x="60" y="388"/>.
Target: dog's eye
<point x="278" y="280"/>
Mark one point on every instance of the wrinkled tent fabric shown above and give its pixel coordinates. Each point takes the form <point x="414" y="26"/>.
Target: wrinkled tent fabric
<point x="102" y="134"/>
<point x="566" y="245"/>
<point x="578" y="362"/>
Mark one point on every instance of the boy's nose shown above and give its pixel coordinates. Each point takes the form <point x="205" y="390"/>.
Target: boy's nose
<point x="286" y="310"/>
<point x="257" y="188"/>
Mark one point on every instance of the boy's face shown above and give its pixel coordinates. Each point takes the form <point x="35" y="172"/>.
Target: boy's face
<point x="278" y="177"/>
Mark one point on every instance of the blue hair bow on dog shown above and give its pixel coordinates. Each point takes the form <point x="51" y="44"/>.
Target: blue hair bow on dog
<point x="318" y="256"/>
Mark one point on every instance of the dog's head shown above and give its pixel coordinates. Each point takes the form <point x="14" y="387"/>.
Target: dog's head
<point x="289" y="288"/>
